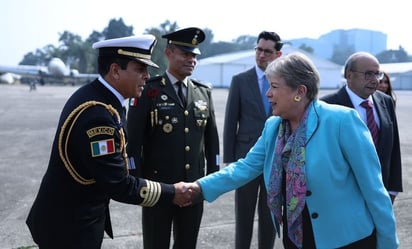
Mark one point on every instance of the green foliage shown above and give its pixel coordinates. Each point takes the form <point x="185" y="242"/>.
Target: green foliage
<point x="31" y="59"/>
<point x="158" y="52"/>
<point x="78" y="54"/>
<point x="117" y="29"/>
<point x="306" y="48"/>
<point x="340" y="54"/>
<point x="75" y="52"/>
<point x="392" y="56"/>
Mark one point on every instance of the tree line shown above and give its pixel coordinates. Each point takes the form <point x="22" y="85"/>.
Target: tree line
<point x="78" y="53"/>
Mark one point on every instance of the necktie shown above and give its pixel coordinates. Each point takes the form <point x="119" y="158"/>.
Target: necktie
<point x="124" y="111"/>
<point x="373" y="127"/>
<point x="123" y="116"/>
<point x="265" y="87"/>
<point x="180" y="93"/>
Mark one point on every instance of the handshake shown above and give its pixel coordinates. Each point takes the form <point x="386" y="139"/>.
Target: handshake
<point x="187" y="193"/>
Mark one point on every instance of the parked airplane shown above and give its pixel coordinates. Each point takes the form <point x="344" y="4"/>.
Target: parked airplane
<point x="9" y="78"/>
<point x="55" y="72"/>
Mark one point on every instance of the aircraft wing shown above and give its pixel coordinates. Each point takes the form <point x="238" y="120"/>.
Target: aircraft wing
<point x="55" y="73"/>
<point x="23" y="69"/>
<point x="12" y="74"/>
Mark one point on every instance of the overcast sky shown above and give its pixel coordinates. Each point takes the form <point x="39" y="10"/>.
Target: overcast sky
<point x="27" y="25"/>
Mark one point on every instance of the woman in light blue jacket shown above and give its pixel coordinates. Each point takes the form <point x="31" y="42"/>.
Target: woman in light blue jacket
<point x="320" y="167"/>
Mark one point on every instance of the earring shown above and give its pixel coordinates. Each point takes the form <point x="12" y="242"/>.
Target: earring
<point x="296" y="98"/>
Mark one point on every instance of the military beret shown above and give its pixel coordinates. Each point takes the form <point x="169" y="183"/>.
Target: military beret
<point x="137" y="48"/>
<point x="186" y="39"/>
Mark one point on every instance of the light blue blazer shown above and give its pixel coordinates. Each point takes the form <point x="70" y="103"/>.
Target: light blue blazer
<point x="343" y="175"/>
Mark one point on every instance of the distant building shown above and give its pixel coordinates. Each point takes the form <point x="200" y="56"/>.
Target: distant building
<point x="400" y="73"/>
<point x="321" y="48"/>
<point x="218" y="70"/>
<point x="373" y="42"/>
<point x="370" y="41"/>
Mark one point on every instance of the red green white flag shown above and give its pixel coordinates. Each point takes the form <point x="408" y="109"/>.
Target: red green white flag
<point x="102" y="147"/>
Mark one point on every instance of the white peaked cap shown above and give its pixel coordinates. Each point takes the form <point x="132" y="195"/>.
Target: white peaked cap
<point x="137" y="48"/>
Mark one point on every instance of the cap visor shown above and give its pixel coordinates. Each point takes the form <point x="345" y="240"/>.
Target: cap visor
<point x="148" y="62"/>
<point x="189" y="49"/>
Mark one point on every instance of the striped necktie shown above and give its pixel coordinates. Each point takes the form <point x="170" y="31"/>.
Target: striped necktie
<point x="370" y="119"/>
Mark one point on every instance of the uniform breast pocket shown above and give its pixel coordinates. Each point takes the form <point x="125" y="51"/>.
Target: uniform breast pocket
<point x="200" y="118"/>
<point x="166" y="120"/>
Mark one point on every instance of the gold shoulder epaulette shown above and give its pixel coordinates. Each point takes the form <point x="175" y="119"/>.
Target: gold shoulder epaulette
<point x="154" y="79"/>
<point x="202" y="83"/>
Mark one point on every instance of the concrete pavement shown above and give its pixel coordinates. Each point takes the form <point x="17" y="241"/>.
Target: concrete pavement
<point x="27" y="126"/>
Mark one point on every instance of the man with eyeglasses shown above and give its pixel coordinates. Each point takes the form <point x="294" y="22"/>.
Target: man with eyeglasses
<point x="362" y="75"/>
<point x="247" y="109"/>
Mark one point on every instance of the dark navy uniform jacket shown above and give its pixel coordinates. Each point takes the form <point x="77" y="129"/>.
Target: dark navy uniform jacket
<point x="88" y="170"/>
<point x="168" y="142"/>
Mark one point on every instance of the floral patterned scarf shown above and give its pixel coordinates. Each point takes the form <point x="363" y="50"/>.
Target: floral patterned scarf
<point x="290" y="158"/>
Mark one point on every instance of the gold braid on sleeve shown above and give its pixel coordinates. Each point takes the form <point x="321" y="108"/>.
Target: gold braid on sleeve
<point x="150" y="193"/>
<point x="64" y="140"/>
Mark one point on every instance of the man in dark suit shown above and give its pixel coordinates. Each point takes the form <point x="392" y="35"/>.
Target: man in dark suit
<point x="172" y="130"/>
<point x="362" y="75"/>
<point x="247" y="109"/>
<point x="88" y="165"/>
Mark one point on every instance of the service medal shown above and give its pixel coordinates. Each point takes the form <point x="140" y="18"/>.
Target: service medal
<point x="199" y="122"/>
<point x="167" y="128"/>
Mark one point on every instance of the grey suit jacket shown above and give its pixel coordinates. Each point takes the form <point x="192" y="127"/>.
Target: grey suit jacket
<point x="245" y="116"/>
<point x="388" y="149"/>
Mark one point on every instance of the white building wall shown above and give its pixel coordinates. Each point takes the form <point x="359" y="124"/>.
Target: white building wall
<point x="218" y="70"/>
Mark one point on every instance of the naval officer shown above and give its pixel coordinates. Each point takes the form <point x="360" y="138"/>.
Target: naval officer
<point x="173" y="137"/>
<point x="88" y="164"/>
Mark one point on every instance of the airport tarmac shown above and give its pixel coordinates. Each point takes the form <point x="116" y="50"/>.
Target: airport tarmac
<point x="27" y="127"/>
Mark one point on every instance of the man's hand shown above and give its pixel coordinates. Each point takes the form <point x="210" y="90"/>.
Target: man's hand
<point x="186" y="193"/>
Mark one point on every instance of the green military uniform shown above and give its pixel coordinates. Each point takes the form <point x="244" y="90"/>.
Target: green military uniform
<point x="172" y="137"/>
<point x="168" y="142"/>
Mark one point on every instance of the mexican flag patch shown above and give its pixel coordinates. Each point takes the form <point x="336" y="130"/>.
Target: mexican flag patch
<point x="133" y="101"/>
<point x="103" y="147"/>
